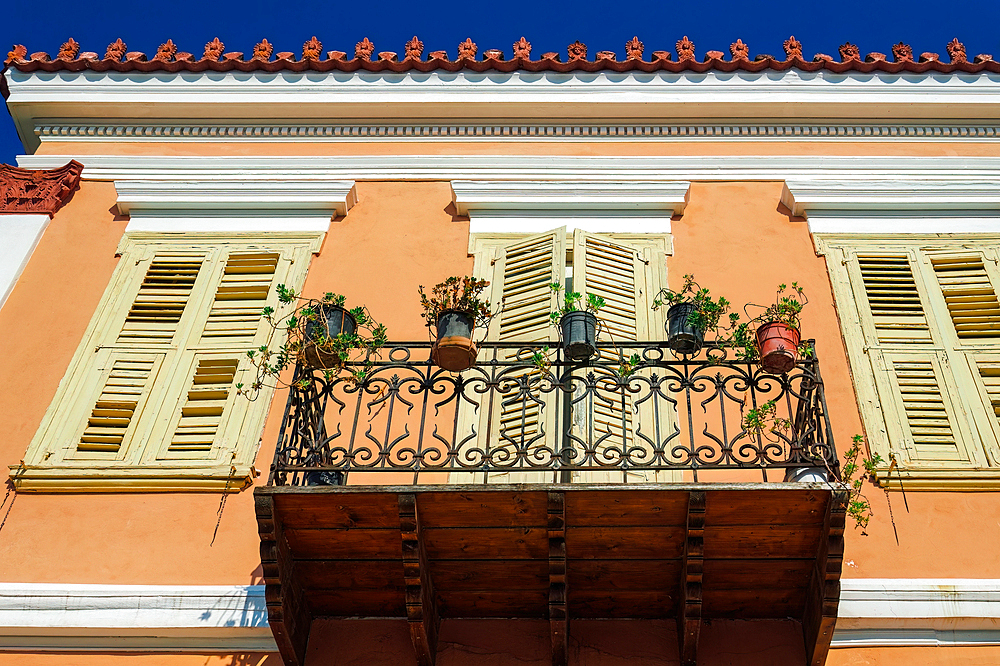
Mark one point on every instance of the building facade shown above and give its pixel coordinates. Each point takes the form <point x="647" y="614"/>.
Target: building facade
<point x="534" y="508"/>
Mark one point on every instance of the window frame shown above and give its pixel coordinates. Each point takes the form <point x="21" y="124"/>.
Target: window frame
<point x="51" y="463"/>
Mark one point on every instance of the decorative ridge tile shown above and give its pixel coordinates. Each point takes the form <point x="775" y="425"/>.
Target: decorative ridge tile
<point x="469" y="56"/>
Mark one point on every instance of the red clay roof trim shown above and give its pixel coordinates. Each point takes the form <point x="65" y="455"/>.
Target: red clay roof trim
<point x="214" y="58"/>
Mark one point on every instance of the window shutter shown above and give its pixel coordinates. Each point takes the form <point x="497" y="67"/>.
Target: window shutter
<point x="522" y="274"/>
<point x="164" y="294"/>
<point x="970" y="296"/>
<point x="239" y="299"/>
<point x="917" y="382"/>
<point x="619" y="272"/>
<point x="890" y="290"/>
<point x="114" y="415"/>
<point x="207" y="398"/>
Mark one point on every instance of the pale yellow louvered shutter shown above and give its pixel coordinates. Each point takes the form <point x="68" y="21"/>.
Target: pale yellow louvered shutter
<point x="205" y="410"/>
<point x="624" y="274"/>
<point x="149" y="401"/>
<point x="921" y="321"/>
<point x="519" y="417"/>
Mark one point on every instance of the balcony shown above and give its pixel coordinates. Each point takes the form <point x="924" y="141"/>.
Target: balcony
<point x="553" y="490"/>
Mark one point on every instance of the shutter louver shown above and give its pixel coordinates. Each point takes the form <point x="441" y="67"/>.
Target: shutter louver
<point x="990" y="375"/>
<point x="927" y="418"/>
<point x="894" y="300"/>
<point x="972" y="301"/>
<point x="205" y="403"/>
<point x="115" y="408"/>
<point x="162" y="297"/>
<point x="240" y="298"/>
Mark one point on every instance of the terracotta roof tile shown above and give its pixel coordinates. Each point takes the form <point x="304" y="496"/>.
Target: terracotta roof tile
<point x="468" y="56"/>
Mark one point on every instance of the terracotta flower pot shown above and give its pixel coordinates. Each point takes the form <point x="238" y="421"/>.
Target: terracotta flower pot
<point x="778" y="344"/>
<point x="454" y="349"/>
<point x="333" y="320"/>
<point x="579" y="333"/>
<point x="682" y="337"/>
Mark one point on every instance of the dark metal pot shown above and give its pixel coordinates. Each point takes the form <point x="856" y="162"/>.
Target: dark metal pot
<point x="333" y="320"/>
<point x="579" y="334"/>
<point x="682" y="337"/>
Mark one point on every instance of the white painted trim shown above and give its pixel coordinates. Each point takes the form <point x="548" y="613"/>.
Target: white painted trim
<point x="957" y="193"/>
<point x="179" y="131"/>
<point x="528" y="222"/>
<point x="233" y="618"/>
<point x="228" y="225"/>
<point x="148" y="196"/>
<point x="160" y="618"/>
<point x="474" y="196"/>
<point x="19" y="235"/>
<point x="888" y="612"/>
<point x="903" y="223"/>
<point x="526" y="167"/>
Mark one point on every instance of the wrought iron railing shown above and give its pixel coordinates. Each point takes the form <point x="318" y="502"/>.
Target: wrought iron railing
<point x="514" y="419"/>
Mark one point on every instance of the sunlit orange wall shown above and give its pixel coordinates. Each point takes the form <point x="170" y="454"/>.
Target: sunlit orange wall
<point x="734" y="237"/>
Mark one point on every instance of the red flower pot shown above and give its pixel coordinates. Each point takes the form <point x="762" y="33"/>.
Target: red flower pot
<point x="778" y="344"/>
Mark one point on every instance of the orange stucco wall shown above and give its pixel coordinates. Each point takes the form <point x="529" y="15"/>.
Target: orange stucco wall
<point x="735" y="237"/>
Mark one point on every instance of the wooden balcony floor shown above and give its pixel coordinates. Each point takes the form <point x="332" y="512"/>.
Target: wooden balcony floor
<point x="556" y="551"/>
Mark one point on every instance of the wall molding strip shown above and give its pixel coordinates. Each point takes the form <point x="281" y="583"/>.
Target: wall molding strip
<point x="233" y="618"/>
<point x="856" y="169"/>
<point x="175" y="132"/>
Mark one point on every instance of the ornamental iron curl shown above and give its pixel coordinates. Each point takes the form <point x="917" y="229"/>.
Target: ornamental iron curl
<point x="509" y="419"/>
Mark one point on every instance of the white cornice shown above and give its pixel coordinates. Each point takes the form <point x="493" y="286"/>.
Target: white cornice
<point x="810" y="196"/>
<point x="277" y="196"/>
<point x="896" y="206"/>
<point x="857" y="169"/>
<point x="38" y="98"/>
<point x="226" y="619"/>
<point x="474" y="196"/>
<point x="536" y="206"/>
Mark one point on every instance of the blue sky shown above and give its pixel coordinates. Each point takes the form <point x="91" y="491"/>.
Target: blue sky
<point x="549" y="26"/>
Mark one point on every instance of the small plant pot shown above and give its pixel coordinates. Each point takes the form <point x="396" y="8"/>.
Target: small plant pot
<point x="579" y="334"/>
<point x="778" y="344"/>
<point x="454" y="349"/>
<point x="338" y="321"/>
<point x="682" y="337"/>
<point x="324" y="478"/>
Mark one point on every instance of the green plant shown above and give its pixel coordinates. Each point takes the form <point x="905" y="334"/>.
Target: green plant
<point x="457" y="293"/>
<point x="707" y="312"/>
<point x="574" y="301"/>
<point x="761" y="422"/>
<point x="628" y="366"/>
<point x="786" y="309"/>
<point x="859" y="468"/>
<point x="540" y="359"/>
<point x="305" y="330"/>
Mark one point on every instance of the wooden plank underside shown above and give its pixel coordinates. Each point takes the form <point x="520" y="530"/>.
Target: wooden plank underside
<point x="768" y="552"/>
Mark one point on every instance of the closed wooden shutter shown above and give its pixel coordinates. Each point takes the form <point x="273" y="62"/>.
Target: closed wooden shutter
<point x="890" y="290"/>
<point x="608" y="422"/>
<point x="151" y="394"/>
<point x="523" y="418"/>
<point x="239" y="299"/>
<point x="156" y="312"/>
<point x="919" y="310"/>
<point x="125" y="383"/>
<point x="970" y="296"/>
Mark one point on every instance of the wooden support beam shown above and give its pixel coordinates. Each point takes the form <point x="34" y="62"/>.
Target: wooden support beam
<point x="823" y="598"/>
<point x="421" y="605"/>
<point x="689" y="608"/>
<point x="558" y="617"/>
<point x="287" y="610"/>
